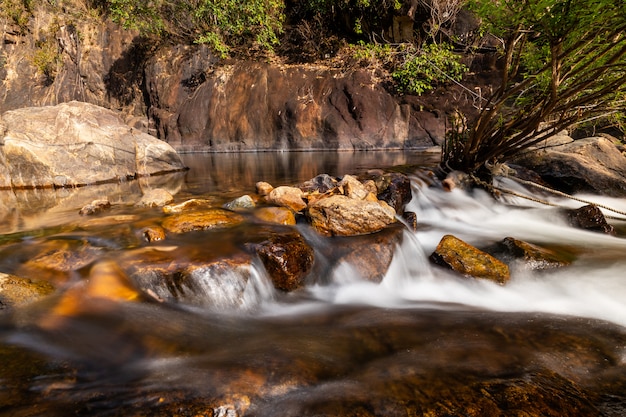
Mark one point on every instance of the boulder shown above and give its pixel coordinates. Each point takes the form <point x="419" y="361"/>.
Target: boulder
<point x="339" y="215"/>
<point x="74" y="144"/>
<point x="590" y="165"/>
<point x="287" y="258"/>
<point x="395" y="189"/>
<point x="290" y="197"/>
<point x="459" y="256"/>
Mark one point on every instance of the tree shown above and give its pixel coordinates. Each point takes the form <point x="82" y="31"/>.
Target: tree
<point x="564" y="61"/>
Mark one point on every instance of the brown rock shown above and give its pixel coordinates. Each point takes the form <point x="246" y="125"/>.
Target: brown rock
<point x="455" y="254"/>
<point x="396" y="191"/>
<point x="201" y="220"/>
<point x="194" y="203"/>
<point x="95" y="207"/>
<point x="285" y="196"/>
<point x="353" y="188"/>
<point x="589" y="218"/>
<point x="533" y="256"/>
<point x="263" y="188"/>
<point x="287" y="257"/>
<point x="278" y="215"/>
<point x="339" y="215"/>
<point x="16" y="291"/>
<point x="152" y="233"/>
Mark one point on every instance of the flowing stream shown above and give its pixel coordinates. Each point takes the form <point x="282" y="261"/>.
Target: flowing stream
<point x="423" y="342"/>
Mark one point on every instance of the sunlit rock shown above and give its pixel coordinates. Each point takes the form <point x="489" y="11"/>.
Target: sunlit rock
<point x="157" y="197"/>
<point x="95" y="207"/>
<point x="78" y="143"/>
<point x="589" y="217"/>
<point x="194" y="203"/>
<point x="589" y="165"/>
<point x="263" y="188"/>
<point x="339" y="215"/>
<point x="353" y="188"/>
<point x="455" y="254"/>
<point x="277" y="215"/>
<point x="287" y="258"/>
<point x="532" y="256"/>
<point x="201" y="220"/>
<point x="16" y="291"/>
<point x="285" y="196"/>
<point x="152" y="233"/>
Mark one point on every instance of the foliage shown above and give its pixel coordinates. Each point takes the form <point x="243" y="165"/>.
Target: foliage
<point x="222" y="24"/>
<point x="564" y="61"/>
<point x="16" y="11"/>
<point x="46" y="57"/>
<point x="424" y="69"/>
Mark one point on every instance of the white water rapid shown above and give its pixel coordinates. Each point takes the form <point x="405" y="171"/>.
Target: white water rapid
<point x="593" y="286"/>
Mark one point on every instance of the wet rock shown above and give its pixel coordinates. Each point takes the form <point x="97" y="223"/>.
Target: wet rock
<point x="459" y="256"/>
<point x="411" y="220"/>
<point x="589" y="218"/>
<point x="75" y="144"/>
<point x="155" y="198"/>
<point x="285" y="196"/>
<point x="278" y="215"/>
<point x="244" y="202"/>
<point x="263" y="188"/>
<point x="194" y="203"/>
<point x="201" y="220"/>
<point x="152" y="233"/>
<point x="353" y="188"/>
<point x="287" y="258"/>
<point x="16" y="291"/>
<point x="456" y="179"/>
<point x="396" y="190"/>
<point x="590" y="165"/>
<point x="533" y="257"/>
<point x="321" y="183"/>
<point x="340" y="215"/>
<point x="367" y="255"/>
<point x="95" y="207"/>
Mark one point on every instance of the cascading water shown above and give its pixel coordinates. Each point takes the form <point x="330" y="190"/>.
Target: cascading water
<point x="424" y="341"/>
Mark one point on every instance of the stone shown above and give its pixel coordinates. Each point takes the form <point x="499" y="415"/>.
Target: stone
<point x="589" y="217"/>
<point x="157" y="197"/>
<point x="397" y="192"/>
<point x="285" y="196"/>
<point x="96" y="206"/>
<point x="152" y="233"/>
<point x="459" y="256"/>
<point x="201" y="220"/>
<point x="353" y="188"/>
<point x="74" y="144"/>
<point x="532" y="256"/>
<point x="339" y="215"/>
<point x="321" y="183"/>
<point x="16" y="291"/>
<point x="410" y="218"/>
<point x="244" y="202"/>
<point x="277" y="215"/>
<point x="191" y="204"/>
<point x="287" y="258"/>
<point x="263" y="188"/>
<point x="589" y="165"/>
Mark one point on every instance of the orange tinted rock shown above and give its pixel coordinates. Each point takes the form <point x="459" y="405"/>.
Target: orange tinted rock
<point x="278" y="215"/>
<point x="201" y="220"/>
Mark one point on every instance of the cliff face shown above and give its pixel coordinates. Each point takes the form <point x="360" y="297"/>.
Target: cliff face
<point x="192" y="100"/>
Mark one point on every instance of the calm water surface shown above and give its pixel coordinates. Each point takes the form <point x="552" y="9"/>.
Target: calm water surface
<point x="422" y="342"/>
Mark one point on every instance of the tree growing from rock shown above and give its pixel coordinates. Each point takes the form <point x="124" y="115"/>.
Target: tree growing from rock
<point x="564" y="62"/>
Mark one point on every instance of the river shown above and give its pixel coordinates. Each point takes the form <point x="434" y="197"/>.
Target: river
<point x="423" y="342"/>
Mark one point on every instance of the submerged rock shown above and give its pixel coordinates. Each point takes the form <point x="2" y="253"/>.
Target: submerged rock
<point x="201" y="220"/>
<point x="16" y="291"/>
<point x="459" y="256"/>
<point x="532" y="256"/>
<point x="96" y="206"/>
<point x="157" y="197"/>
<point x="277" y="215"/>
<point x="74" y="144"/>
